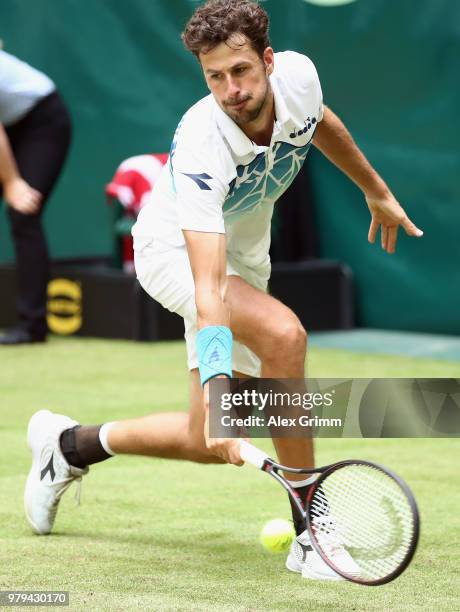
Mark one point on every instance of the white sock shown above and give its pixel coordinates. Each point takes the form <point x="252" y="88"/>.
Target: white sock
<point x="103" y="432"/>
<point x="296" y="484"/>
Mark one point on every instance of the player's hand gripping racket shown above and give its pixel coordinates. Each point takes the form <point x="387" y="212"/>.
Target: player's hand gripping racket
<point x="354" y="509"/>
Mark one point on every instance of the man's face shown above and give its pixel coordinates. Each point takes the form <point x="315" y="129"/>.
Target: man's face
<point x="238" y="78"/>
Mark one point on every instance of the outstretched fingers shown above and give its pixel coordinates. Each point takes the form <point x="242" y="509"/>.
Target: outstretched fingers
<point x="392" y="238"/>
<point x="411" y="229"/>
<point x="389" y="233"/>
<point x="373" y="229"/>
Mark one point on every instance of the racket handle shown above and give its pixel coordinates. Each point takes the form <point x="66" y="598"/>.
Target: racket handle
<point x="251" y="454"/>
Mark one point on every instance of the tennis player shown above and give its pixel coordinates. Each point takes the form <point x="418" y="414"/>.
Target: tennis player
<point x="201" y="250"/>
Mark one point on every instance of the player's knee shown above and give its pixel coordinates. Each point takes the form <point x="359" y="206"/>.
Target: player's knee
<point x="294" y="337"/>
<point x="289" y="339"/>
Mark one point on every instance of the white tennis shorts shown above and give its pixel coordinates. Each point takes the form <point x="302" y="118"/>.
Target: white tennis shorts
<point x="165" y="274"/>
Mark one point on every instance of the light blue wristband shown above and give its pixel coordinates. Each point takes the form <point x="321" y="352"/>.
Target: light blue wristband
<point x="214" y="350"/>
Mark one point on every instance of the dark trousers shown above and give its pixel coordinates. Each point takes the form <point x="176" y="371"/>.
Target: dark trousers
<point x="40" y="142"/>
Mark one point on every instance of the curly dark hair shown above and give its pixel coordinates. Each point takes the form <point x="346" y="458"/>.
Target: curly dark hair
<point x="215" y="21"/>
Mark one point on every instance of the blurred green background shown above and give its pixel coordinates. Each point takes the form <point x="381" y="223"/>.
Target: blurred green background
<point x="389" y="69"/>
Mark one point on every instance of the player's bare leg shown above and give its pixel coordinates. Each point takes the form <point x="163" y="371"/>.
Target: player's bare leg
<point x="280" y="341"/>
<point x="178" y="435"/>
<point x="277" y="338"/>
<point x="62" y="450"/>
<point x="173" y="435"/>
<point x="169" y="435"/>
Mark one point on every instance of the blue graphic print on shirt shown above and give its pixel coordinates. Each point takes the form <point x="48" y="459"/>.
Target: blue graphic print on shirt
<point x="254" y="183"/>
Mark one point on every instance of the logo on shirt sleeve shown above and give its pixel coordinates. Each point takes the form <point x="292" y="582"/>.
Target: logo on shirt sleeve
<point x="200" y="179"/>
<point x="308" y="123"/>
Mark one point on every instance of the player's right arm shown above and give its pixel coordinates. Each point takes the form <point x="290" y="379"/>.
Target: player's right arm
<point x="206" y="251"/>
<point x="207" y="255"/>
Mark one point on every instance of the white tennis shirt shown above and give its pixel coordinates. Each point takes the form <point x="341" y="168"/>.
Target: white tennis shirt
<point x="21" y="87"/>
<point x="218" y="180"/>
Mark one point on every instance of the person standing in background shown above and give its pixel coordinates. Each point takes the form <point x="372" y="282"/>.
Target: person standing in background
<point x="35" y="134"/>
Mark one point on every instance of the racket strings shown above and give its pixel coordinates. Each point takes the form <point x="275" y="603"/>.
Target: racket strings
<point x="360" y="511"/>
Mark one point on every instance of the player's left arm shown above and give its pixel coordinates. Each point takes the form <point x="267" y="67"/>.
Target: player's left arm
<point x="335" y="142"/>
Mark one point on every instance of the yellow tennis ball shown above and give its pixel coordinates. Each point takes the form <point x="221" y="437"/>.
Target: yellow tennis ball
<point x="277" y="535"/>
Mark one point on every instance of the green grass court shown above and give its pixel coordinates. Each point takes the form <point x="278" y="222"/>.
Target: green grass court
<point x="158" y="535"/>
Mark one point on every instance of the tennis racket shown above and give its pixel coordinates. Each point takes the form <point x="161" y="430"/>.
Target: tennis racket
<point x="356" y="509"/>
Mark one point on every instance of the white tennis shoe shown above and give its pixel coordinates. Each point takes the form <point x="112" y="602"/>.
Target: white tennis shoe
<point x="332" y="543"/>
<point x="304" y="560"/>
<point x="50" y="475"/>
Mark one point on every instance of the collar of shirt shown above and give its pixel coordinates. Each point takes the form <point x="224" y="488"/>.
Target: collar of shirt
<point x="237" y="139"/>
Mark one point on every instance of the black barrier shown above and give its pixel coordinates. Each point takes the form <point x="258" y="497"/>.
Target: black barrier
<point x="95" y="302"/>
<point x="107" y="303"/>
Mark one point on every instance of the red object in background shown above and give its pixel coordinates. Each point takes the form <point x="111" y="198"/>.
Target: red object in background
<point x="134" y="179"/>
<point x="131" y="186"/>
